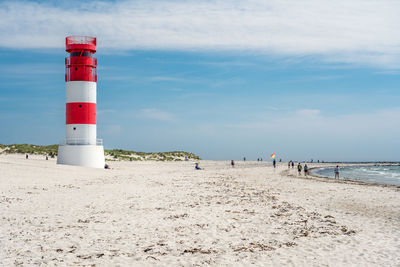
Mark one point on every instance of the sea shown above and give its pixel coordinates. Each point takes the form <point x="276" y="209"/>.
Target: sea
<point x="369" y="174"/>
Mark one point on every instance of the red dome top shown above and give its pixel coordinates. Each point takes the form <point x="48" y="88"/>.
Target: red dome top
<point x="78" y="43"/>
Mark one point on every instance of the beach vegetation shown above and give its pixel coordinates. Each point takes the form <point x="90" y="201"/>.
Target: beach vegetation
<point x="114" y="154"/>
<point x="29" y="149"/>
<point x="121" y="154"/>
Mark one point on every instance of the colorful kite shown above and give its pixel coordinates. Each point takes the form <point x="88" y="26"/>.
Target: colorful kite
<point x="273" y="155"/>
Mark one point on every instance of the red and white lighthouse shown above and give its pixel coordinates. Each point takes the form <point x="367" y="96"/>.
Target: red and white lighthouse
<point x="81" y="146"/>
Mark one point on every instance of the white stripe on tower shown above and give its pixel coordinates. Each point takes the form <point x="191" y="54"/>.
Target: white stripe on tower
<point x="81" y="91"/>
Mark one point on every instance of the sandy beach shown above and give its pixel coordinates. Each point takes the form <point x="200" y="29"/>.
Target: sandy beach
<point x="168" y="214"/>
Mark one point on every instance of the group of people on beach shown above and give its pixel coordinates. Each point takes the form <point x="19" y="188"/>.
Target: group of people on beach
<point x="306" y="170"/>
<point x="299" y="168"/>
<point x="290" y="164"/>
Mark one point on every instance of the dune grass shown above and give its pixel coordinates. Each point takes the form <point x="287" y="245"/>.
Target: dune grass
<point x="116" y="154"/>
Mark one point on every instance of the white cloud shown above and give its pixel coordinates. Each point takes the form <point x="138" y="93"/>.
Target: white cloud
<point x="165" y="79"/>
<point x="307" y="113"/>
<point x="112" y="130"/>
<point x="155" y="114"/>
<point x="357" y="31"/>
<point x="22" y="69"/>
<point x="308" y="123"/>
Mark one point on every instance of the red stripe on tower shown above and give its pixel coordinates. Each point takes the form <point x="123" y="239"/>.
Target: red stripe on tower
<point x="81" y="113"/>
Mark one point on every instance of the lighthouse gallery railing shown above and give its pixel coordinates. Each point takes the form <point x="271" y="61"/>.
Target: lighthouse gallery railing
<point x="79" y="141"/>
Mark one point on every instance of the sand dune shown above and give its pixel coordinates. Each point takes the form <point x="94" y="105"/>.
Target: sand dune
<point x="168" y="214"/>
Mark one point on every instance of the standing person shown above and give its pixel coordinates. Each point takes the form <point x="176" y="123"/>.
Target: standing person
<point x="26" y="156"/>
<point x="299" y="168"/>
<point x="232" y="163"/>
<point x="292" y="164"/>
<point x="336" y="170"/>
<point x="305" y="170"/>
<point x="274" y="163"/>
<point x="288" y="164"/>
<point x="244" y="159"/>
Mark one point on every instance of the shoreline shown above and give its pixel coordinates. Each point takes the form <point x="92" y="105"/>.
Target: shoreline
<point x="326" y="178"/>
<point x="331" y="180"/>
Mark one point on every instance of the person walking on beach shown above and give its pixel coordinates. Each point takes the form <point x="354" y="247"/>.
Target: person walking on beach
<point x="288" y="164"/>
<point x="292" y="164"/>
<point x="274" y="163"/>
<point x="299" y="167"/>
<point x="232" y="163"/>
<point x="305" y="170"/>
<point x="336" y="170"/>
<point x="26" y="156"/>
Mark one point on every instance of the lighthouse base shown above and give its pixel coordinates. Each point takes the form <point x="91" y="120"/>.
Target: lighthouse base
<point x="81" y="155"/>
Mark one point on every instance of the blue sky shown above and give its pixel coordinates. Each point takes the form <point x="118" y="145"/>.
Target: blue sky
<point x="220" y="79"/>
